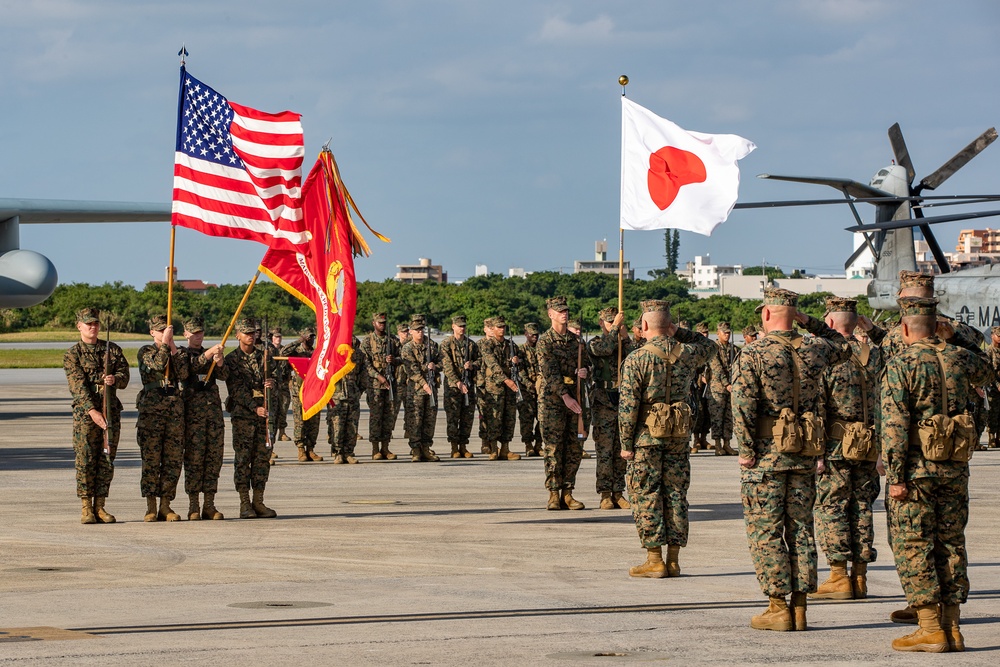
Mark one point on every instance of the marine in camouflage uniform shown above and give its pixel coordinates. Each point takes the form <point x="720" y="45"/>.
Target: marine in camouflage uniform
<point x="749" y="334"/>
<point x="306" y="431"/>
<point x="160" y="427"/>
<point x="282" y="397"/>
<point x="204" y="426"/>
<point x="779" y="489"/>
<point x="700" y="389"/>
<point x="88" y="383"/>
<point x="381" y="360"/>
<point x="559" y="412"/>
<point x="343" y="412"/>
<point x="402" y="385"/>
<point x="460" y="362"/>
<point x="481" y="397"/>
<point x="500" y="390"/>
<point x="927" y="503"/>
<point x="527" y="410"/>
<point x="721" y="366"/>
<point x="604" y="407"/>
<point x="659" y="470"/>
<point x="993" y="390"/>
<point x="422" y="361"/>
<point x="248" y="416"/>
<point x="846" y="489"/>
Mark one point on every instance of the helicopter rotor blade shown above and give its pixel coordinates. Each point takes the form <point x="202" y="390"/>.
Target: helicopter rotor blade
<point x="945" y="171"/>
<point x="899" y="224"/>
<point x="899" y="150"/>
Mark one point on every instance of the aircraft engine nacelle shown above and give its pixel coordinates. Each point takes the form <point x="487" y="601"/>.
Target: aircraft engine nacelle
<point x="26" y="278"/>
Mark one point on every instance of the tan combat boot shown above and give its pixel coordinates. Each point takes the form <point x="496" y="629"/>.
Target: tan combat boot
<point x="694" y="446"/>
<point x="606" y="502"/>
<point x="389" y="456"/>
<point x="569" y="502"/>
<point x="673" y="562"/>
<point x="653" y="568"/>
<point x="491" y="447"/>
<point x="246" y="509"/>
<point x="859" y="580"/>
<point x="209" y="511"/>
<point x="165" y="513"/>
<point x="529" y="451"/>
<point x="303" y="457"/>
<point x="905" y="616"/>
<point x="194" y="511"/>
<point x="799" y="611"/>
<point x="619" y="500"/>
<point x="455" y="454"/>
<point x="949" y="623"/>
<point x="150" y="510"/>
<point x="338" y="459"/>
<point x="554" y="503"/>
<point x="351" y="458"/>
<point x="376" y="454"/>
<point x="929" y="637"/>
<point x="718" y="448"/>
<point x="415" y="454"/>
<point x="283" y="437"/>
<point x="777" y="617"/>
<point x="464" y="451"/>
<point x="259" y="508"/>
<point x="87" y="511"/>
<point x="313" y="456"/>
<point x="538" y="449"/>
<point x="837" y="586"/>
<point x="102" y="516"/>
<point x="428" y="454"/>
<point x="506" y="454"/>
<point x="729" y="451"/>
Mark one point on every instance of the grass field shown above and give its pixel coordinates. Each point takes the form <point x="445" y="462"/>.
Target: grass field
<point x="62" y="336"/>
<point x="47" y="358"/>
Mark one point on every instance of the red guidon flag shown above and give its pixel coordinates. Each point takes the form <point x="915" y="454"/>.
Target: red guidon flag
<point x="675" y="178"/>
<point x="321" y="274"/>
<point x="237" y="171"/>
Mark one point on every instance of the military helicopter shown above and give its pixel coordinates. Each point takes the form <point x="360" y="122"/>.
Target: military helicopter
<point x="971" y="295"/>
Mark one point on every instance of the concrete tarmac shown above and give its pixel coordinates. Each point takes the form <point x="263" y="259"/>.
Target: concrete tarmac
<point x="397" y="563"/>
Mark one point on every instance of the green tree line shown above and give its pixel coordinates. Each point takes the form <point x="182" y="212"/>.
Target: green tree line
<point x="519" y="299"/>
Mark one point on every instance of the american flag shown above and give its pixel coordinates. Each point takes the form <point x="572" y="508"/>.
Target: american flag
<point x="237" y="171"/>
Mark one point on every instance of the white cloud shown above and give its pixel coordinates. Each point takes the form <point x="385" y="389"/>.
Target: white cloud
<point x="559" y="29"/>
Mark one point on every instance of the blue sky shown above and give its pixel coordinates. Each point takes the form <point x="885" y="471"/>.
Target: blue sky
<point x="488" y="133"/>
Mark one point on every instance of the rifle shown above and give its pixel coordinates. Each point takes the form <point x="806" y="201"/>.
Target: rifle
<point x="465" y="371"/>
<point x="430" y="376"/>
<point x="268" y="443"/>
<point x="390" y="376"/>
<point x="107" y="393"/>
<point x="581" y="429"/>
<point x="586" y="387"/>
<point x="515" y="375"/>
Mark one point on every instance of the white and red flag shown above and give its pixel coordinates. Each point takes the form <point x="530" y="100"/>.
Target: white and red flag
<point x="673" y="178"/>
<point x="237" y="171"/>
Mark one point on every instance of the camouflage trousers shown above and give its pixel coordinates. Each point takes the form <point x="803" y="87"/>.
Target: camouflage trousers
<point x="94" y="470"/>
<point x="160" y="434"/>
<point x="927" y="536"/>
<point x="844" y="496"/>
<point x="282" y="399"/>
<point x="658" y="481"/>
<point x="481" y="397"/>
<point x="527" y="417"/>
<point x="400" y="398"/>
<point x="252" y="460"/>
<point x="342" y="420"/>
<point x="563" y="449"/>
<point x="459" y="416"/>
<point x="702" y="420"/>
<point x="610" y="464"/>
<point x="720" y="415"/>
<point x="204" y="442"/>
<point x="306" y="430"/>
<point x="778" y="510"/>
<point x="422" y="415"/>
<point x="381" y="415"/>
<point x="993" y="415"/>
<point x="500" y="415"/>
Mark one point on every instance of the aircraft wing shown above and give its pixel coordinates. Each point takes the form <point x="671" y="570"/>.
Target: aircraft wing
<point x="46" y="211"/>
<point x="852" y="188"/>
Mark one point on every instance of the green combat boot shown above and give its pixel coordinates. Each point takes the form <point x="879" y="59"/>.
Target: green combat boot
<point x="929" y="637"/>
<point x="653" y="568"/>
<point x="777" y="617"/>
<point x="102" y="516"/>
<point x="87" y="511"/>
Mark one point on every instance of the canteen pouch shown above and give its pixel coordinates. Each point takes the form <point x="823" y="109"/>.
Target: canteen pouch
<point x="786" y="433"/>
<point x="965" y="438"/>
<point x="680" y="420"/>
<point x="669" y="421"/>
<point x="812" y="434"/>
<point x="936" y="437"/>
<point x="859" y="443"/>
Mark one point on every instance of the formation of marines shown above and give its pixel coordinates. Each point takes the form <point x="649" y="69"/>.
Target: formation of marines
<point x="816" y="419"/>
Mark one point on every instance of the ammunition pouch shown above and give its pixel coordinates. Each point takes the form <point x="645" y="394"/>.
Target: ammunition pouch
<point x="667" y="421"/>
<point x="857" y="441"/>
<point x="792" y="434"/>
<point x="812" y="434"/>
<point x="944" y="438"/>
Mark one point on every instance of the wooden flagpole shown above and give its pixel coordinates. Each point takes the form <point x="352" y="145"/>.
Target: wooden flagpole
<point x="232" y="322"/>
<point x="623" y="81"/>
<point x="170" y="290"/>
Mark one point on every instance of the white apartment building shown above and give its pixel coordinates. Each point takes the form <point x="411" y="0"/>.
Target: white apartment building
<point x="705" y="276"/>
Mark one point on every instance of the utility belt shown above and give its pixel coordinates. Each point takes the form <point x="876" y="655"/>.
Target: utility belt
<point x="200" y="384"/>
<point x="164" y="389"/>
<point x="793" y="434"/>
<point x="665" y="420"/>
<point x="857" y="440"/>
<point x="944" y="438"/>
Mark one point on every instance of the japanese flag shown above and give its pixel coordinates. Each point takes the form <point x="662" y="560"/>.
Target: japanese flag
<point x="675" y="178"/>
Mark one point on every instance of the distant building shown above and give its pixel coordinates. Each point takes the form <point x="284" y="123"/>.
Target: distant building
<point x="978" y="241"/>
<point x="192" y="286"/>
<point x="864" y="265"/>
<point x="482" y="270"/>
<point x="517" y="273"/>
<point x="752" y="287"/>
<point x="423" y="272"/>
<point x="601" y="263"/>
<point x="705" y="276"/>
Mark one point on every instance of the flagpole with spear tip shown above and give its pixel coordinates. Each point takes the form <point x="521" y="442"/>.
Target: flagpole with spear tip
<point x="173" y="228"/>
<point x="623" y="80"/>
